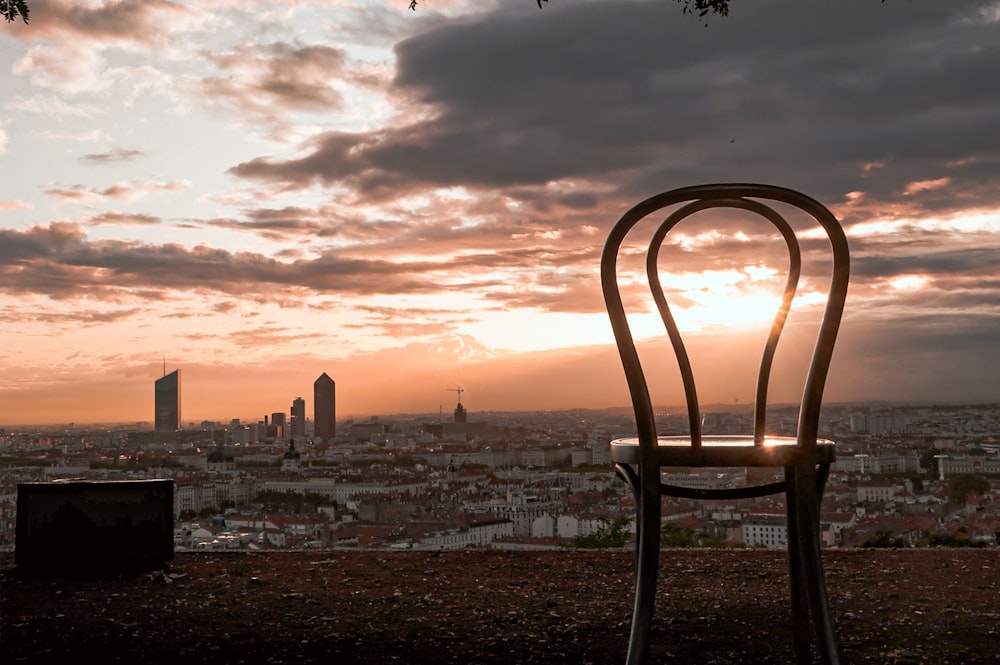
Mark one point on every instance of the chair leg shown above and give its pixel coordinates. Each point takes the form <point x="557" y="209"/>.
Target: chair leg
<point x="631" y="478"/>
<point x="801" y="628"/>
<point x="808" y="490"/>
<point x="826" y="630"/>
<point x="647" y="565"/>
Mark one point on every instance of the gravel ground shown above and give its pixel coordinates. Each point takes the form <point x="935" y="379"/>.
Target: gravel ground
<point x="715" y="607"/>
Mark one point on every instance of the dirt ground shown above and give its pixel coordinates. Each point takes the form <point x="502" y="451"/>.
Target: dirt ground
<point x="716" y="607"/>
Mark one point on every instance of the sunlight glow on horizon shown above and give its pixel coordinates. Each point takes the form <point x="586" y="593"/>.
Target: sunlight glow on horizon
<point x="909" y="282"/>
<point x="987" y="221"/>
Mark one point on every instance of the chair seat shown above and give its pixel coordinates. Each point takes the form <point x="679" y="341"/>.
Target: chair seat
<point x="722" y="450"/>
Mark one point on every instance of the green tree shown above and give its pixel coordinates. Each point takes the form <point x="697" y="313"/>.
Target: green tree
<point x="928" y="461"/>
<point x="953" y="540"/>
<point x="959" y="486"/>
<point x="672" y="535"/>
<point x="288" y="500"/>
<point x="611" y="533"/>
<point x="885" y="537"/>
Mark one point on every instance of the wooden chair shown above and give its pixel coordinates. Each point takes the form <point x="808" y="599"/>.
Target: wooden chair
<point x="805" y="458"/>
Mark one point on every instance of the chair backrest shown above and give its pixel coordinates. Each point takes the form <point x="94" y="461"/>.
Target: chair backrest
<point x="756" y="199"/>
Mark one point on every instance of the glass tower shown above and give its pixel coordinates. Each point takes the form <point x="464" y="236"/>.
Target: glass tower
<point x="168" y="403"/>
<point x="298" y="417"/>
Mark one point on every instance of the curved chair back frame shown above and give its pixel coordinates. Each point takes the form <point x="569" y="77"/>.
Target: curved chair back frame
<point x="747" y="197"/>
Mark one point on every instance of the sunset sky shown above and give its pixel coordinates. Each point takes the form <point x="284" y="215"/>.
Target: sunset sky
<point x="411" y="201"/>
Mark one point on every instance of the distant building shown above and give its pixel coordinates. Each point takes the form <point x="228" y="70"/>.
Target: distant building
<point x="768" y="531"/>
<point x="168" y="403"/>
<point x="976" y="461"/>
<point x="364" y="431"/>
<point x="888" y="462"/>
<point x="325" y="407"/>
<point x="298" y="417"/>
<point x="292" y="458"/>
<point x="278" y="426"/>
<point x="879" y="423"/>
<point x="460" y="428"/>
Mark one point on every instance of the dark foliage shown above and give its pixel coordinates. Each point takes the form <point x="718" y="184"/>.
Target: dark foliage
<point x="11" y="9"/>
<point x="612" y="533"/>
<point x="885" y="538"/>
<point x="963" y="484"/>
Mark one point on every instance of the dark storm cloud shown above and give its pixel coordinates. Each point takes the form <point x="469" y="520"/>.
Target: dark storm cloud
<point x="632" y="93"/>
<point x="60" y="262"/>
<point x="320" y="223"/>
<point x="974" y="261"/>
<point x="438" y="231"/>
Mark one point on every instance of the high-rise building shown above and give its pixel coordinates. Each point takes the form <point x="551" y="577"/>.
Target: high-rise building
<point x="168" y="403"/>
<point x="277" y="426"/>
<point x="298" y="417"/>
<point x="325" y="407"/>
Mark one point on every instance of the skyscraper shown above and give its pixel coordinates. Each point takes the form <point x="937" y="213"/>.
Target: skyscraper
<point x="298" y="417"/>
<point x="168" y="403"/>
<point x="325" y="407"/>
<point x="278" y="424"/>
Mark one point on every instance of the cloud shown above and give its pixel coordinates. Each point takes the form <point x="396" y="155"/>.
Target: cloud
<point x="926" y="185"/>
<point x="68" y="67"/>
<point x="411" y="322"/>
<point x="138" y="21"/>
<point x="122" y="219"/>
<point x="261" y="77"/>
<point x="52" y="107"/>
<point x="71" y="38"/>
<point x="80" y="318"/>
<point x="57" y="260"/>
<point x="280" y="85"/>
<point x="15" y="204"/>
<point x="122" y="191"/>
<point x="256" y="338"/>
<point x="513" y="100"/>
<point x="112" y="156"/>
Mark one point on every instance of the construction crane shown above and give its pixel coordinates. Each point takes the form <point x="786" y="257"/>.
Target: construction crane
<point x="457" y="390"/>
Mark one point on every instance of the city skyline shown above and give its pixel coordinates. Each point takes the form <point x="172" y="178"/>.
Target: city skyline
<point x="417" y="200"/>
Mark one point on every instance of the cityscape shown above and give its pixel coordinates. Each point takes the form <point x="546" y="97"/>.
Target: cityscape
<point x="307" y="355"/>
<point x="906" y="476"/>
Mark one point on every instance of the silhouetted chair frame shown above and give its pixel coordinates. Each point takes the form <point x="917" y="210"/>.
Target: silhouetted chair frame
<point x="805" y="458"/>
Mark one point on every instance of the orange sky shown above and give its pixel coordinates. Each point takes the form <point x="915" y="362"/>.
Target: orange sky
<point x="412" y="201"/>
